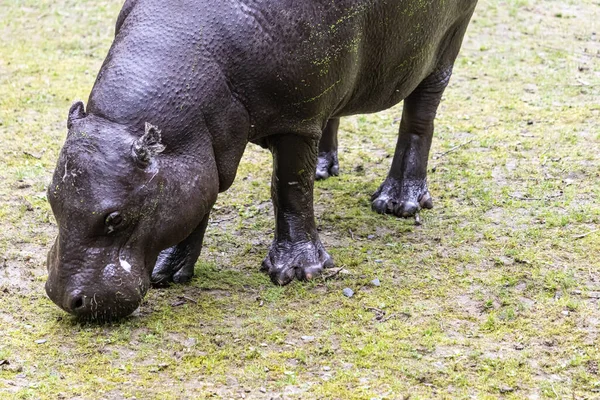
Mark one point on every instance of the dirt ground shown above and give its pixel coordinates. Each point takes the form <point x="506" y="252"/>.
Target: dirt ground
<point x="495" y="295"/>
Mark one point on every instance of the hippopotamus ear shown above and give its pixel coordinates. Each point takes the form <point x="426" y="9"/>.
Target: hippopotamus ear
<point x="77" y="111"/>
<point x="147" y="146"/>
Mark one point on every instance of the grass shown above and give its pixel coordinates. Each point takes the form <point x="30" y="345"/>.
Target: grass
<point x="495" y="295"/>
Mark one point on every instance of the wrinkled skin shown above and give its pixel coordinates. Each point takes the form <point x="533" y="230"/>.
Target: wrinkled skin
<point x="188" y="84"/>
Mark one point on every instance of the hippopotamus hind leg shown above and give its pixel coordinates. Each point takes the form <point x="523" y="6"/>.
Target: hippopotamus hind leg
<point x="176" y="264"/>
<point x="327" y="160"/>
<point x="404" y="192"/>
<point x="296" y="250"/>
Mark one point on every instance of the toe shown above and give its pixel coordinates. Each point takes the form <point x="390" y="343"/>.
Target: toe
<point x="308" y="273"/>
<point x="379" y="206"/>
<point x="334" y="170"/>
<point x="426" y="201"/>
<point x="182" y="276"/>
<point x="321" y="174"/>
<point x="266" y="265"/>
<point x="282" y="277"/>
<point x="406" y="209"/>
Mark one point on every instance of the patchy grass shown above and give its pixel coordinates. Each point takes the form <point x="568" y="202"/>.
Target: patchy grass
<point x="495" y="295"/>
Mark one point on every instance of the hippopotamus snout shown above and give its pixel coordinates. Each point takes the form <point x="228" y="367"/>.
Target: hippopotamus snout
<point x="105" y="299"/>
<point x="103" y="304"/>
<point x="92" y="292"/>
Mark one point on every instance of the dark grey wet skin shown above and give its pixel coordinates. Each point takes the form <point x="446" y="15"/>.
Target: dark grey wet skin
<point x="182" y="92"/>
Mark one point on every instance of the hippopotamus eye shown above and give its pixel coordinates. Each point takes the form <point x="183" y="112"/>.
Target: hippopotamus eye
<point x="113" y="219"/>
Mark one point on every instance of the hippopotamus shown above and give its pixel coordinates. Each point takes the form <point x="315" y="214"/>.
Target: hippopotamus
<point x="186" y="85"/>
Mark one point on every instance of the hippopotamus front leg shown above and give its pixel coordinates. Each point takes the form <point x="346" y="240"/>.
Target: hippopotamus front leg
<point x="405" y="191"/>
<point x="176" y="264"/>
<point x="327" y="161"/>
<point x="296" y="250"/>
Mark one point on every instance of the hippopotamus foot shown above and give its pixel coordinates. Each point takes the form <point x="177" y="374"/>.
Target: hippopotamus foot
<point x="303" y="261"/>
<point x="172" y="265"/>
<point x="176" y="264"/>
<point x="401" y="198"/>
<point x="327" y="165"/>
<point x="404" y="192"/>
<point x="327" y="160"/>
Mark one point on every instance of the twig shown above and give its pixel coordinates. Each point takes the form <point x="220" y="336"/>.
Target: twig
<point x="351" y="233"/>
<point x="403" y="314"/>
<point x="525" y="198"/>
<point x="379" y="313"/>
<point x="334" y="273"/>
<point x="458" y="146"/>
<point x="553" y="196"/>
<point x="188" y="299"/>
<point x="388" y="318"/>
<point x="554" y="390"/>
<point x="32" y="155"/>
<point x="223" y="220"/>
<point x="583" y="53"/>
<point x="585" y="234"/>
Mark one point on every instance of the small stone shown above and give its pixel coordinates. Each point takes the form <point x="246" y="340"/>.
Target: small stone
<point x="505" y="389"/>
<point x="40" y="341"/>
<point x="557" y="295"/>
<point x="370" y="236"/>
<point x="519" y="346"/>
<point x="163" y="366"/>
<point x="530" y="88"/>
<point x="378" y="261"/>
<point x="327" y="368"/>
<point x="308" y="338"/>
<point x="376" y="282"/>
<point x="263" y="390"/>
<point x="348" y="292"/>
<point x="565" y="313"/>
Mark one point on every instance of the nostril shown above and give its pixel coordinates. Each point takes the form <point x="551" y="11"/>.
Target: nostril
<point x="76" y="303"/>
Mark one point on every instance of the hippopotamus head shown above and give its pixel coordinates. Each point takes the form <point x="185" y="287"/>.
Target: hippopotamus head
<point x="119" y="197"/>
